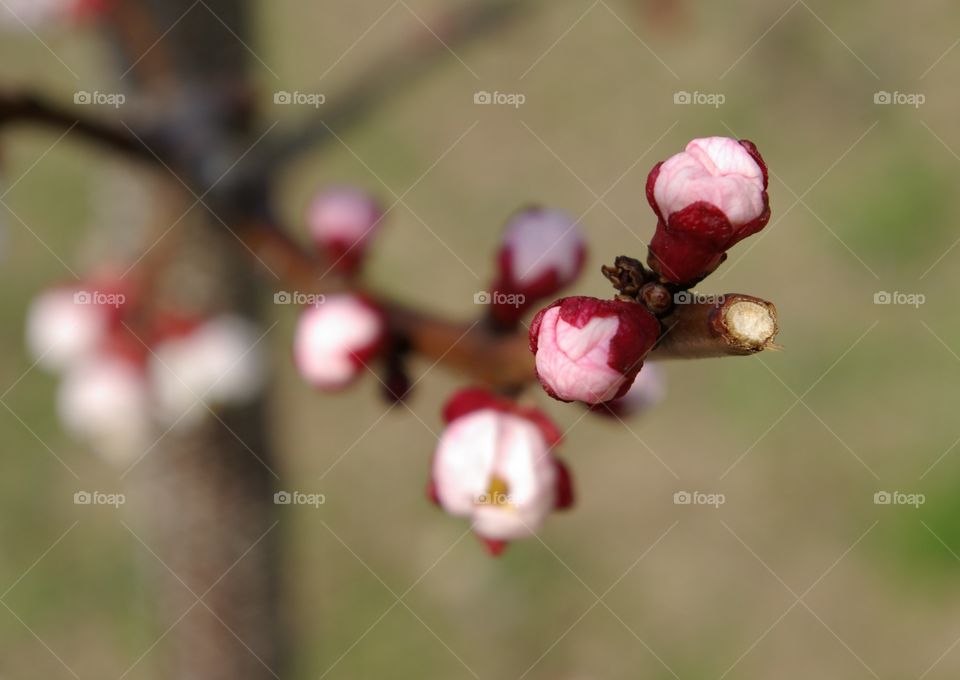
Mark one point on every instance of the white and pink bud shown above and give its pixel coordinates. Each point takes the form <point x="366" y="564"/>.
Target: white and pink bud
<point x="342" y="221"/>
<point x="707" y="198"/>
<point x="542" y="251"/>
<point x="68" y="323"/>
<point x="495" y="465"/>
<point x="104" y="401"/>
<point x="591" y="350"/>
<point x="648" y="389"/>
<point x="336" y="338"/>
<point x="206" y="365"/>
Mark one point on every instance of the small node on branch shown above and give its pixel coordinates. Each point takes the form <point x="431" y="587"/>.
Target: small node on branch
<point x="628" y="275"/>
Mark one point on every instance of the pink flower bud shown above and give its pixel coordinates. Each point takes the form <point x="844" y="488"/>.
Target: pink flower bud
<point x="647" y="390"/>
<point x="335" y="339"/>
<point x="542" y="252"/>
<point x="66" y="324"/>
<point x="707" y="198"/>
<point x="103" y="401"/>
<point x="218" y="362"/>
<point x="495" y="465"/>
<point x="342" y="221"/>
<point x="590" y="350"/>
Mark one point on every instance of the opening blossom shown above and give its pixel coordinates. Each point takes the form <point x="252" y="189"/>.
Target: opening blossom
<point x="341" y="221"/>
<point x="707" y="198"/>
<point x="591" y="350"/>
<point x="335" y="339"/>
<point x="542" y="251"/>
<point x="495" y="465"/>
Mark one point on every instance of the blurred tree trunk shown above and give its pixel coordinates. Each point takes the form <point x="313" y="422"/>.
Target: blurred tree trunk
<point x="205" y="494"/>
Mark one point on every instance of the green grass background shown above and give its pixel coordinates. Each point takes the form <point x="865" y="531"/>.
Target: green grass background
<point x="715" y="591"/>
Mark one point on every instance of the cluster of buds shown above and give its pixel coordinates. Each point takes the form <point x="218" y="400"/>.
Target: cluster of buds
<point x="706" y="199"/>
<point x="495" y="465"/>
<point x="118" y="384"/>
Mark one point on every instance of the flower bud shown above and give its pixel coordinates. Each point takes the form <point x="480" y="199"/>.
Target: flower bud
<point x="335" y="339"/>
<point x="210" y="364"/>
<point x="494" y="464"/>
<point x="707" y="198"/>
<point x="28" y="15"/>
<point x="342" y="220"/>
<point x="542" y="252"/>
<point x="648" y="389"/>
<point x="590" y="350"/>
<point x="66" y="324"/>
<point x="103" y="401"/>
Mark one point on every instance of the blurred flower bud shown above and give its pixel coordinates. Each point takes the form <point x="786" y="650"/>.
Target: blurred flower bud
<point x="542" y="252"/>
<point x="590" y="350"/>
<point x="27" y="15"/>
<point x="215" y="363"/>
<point x="342" y="220"/>
<point x="648" y="389"/>
<point x="68" y="323"/>
<point x="494" y="464"/>
<point x="334" y="340"/>
<point x="103" y="401"/>
<point x="707" y="198"/>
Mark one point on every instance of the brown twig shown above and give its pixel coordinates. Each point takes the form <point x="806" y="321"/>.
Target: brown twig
<point x="733" y="325"/>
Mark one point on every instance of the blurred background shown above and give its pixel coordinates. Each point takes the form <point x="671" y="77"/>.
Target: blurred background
<point x="800" y="573"/>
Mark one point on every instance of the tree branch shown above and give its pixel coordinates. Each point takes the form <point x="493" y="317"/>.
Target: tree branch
<point x="734" y="325"/>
